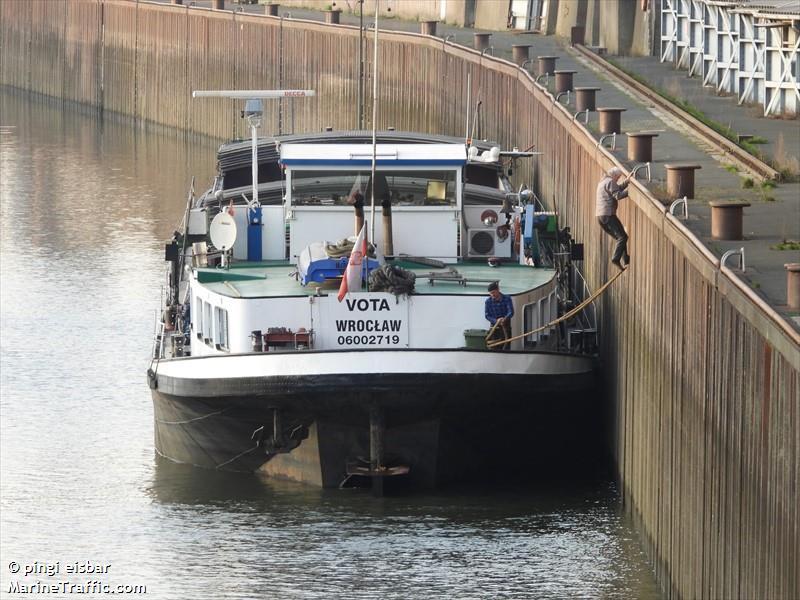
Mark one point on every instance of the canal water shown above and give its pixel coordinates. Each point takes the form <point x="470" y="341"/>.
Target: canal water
<point x="86" y="208"/>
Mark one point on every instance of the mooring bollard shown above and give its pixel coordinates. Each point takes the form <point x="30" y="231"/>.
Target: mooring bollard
<point x="793" y="285"/>
<point x="680" y="179"/>
<point x="547" y="65"/>
<point x="585" y="98"/>
<point x="271" y="9"/>
<point x="428" y="27"/>
<point x="218" y="5"/>
<point x="520" y="53"/>
<point x="726" y="220"/>
<point x="611" y="119"/>
<point x="332" y="16"/>
<point x="564" y="81"/>
<point x="482" y="41"/>
<point x="640" y="146"/>
<point x="177" y="1"/>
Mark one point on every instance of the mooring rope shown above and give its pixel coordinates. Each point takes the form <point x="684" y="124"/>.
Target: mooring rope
<point x="564" y="317"/>
<point x="200" y="418"/>
<point x="240" y="455"/>
<point x="392" y="279"/>
<point x="491" y="331"/>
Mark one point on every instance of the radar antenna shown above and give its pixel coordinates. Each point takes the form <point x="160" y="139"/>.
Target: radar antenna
<point x="253" y="110"/>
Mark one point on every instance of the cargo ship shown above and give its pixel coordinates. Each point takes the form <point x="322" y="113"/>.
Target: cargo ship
<point x="264" y="360"/>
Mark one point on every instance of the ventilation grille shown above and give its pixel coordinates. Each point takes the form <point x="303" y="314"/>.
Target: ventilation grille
<point x="482" y="242"/>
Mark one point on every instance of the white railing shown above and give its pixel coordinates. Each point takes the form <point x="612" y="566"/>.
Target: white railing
<point x="736" y="48"/>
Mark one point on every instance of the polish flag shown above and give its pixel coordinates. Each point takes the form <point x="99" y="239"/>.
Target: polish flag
<point x="352" y="274"/>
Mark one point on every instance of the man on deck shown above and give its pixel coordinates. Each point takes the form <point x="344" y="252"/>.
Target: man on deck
<point x="499" y="310"/>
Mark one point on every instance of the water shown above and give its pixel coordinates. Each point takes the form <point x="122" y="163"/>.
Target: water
<point x="86" y="208"/>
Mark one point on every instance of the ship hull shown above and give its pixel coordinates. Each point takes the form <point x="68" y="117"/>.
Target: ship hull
<point x="446" y="415"/>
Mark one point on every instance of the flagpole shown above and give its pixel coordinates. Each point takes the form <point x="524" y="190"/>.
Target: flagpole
<point x="371" y="237"/>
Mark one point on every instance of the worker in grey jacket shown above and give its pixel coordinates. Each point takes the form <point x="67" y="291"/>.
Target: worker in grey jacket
<point x="609" y="192"/>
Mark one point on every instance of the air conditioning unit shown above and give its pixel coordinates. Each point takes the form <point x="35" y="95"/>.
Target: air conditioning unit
<point x="484" y="241"/>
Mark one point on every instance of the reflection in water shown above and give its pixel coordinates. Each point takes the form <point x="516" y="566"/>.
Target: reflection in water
<point x="486" y="543"/>
<point x="86" y="207"/>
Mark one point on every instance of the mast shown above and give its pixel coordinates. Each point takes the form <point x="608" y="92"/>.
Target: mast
<point x="374" y="122"/>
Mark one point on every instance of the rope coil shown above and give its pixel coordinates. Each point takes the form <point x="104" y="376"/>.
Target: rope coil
<point x="389" y="278"/>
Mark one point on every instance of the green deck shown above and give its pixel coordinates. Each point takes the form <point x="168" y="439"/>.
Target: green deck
<point x="271" y="279"/>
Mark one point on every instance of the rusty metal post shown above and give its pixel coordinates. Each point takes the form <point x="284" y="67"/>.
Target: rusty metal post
<point x="726" y="219"/>
<point x="793" y="285"/>
<point x="680" y="179"/>
<point x="640" y="146"/>
<point x="358" y="207"/>
<point x="271" y="9"/>
<point x="521" y="53"/>
<point x="377" y="429"/>
<point x="564" y="81"/>
<point x="546" y="64"/>
<point x="218" y="5"/>
<point x="481" y="41"/>
<point x="177" y="2"/>
<point x="428" y="27"/>
<point x="586" y="98"/>
<point x="611" y="119"/>
<point x="332" y="16"/>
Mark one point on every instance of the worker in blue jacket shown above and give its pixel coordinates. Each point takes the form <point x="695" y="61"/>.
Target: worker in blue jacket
<point x="499" y="310"/>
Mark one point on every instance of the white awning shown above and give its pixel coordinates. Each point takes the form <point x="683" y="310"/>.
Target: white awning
<point x="431" y="156"/>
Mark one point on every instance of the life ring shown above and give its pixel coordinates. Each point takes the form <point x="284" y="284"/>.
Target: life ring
<point x="488" y="217"/>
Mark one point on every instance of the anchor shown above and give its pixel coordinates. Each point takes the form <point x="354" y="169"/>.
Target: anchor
<point x="279" y="443"/>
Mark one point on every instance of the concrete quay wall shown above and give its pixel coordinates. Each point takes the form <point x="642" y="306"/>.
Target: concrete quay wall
<point x="704" y="378"/>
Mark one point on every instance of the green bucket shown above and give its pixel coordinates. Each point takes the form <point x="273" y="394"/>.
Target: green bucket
<point x="475" y="338"/>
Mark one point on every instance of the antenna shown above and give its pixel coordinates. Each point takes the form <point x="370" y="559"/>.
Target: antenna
<point x="223" y="234"/>
<point x="253" y="110"/>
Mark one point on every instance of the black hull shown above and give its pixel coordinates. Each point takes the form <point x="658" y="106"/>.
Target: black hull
<point x="446" y="428"/>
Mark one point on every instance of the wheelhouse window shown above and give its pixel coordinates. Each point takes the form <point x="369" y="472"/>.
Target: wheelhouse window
<point x="403" y="188"/>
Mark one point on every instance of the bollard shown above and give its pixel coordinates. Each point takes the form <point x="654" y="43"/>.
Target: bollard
<point x="218" y="5"/>
<point x="793" y="285"/>
<point x="271" y="9"/>
<point x="640" y="146"/>
<point x="428" y="27"/>
<point x="726" y="220"/>
<point x="332" y="16"/>
<point x="680" y="180"/>
<point x="585" y="98"/>
<point x="547" y="65"/>
<point x="564" y="81"/>
<point x="611" y="119"/>
<point x="520" y="52"/>
<point x="177" y="1"/>
<point x="482" y="41"/>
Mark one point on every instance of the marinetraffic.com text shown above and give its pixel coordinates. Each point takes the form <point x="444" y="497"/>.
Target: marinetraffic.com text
<point x="79" y="577"/>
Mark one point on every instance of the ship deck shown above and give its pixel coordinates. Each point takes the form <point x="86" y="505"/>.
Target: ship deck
<point x="273" y="279"/>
